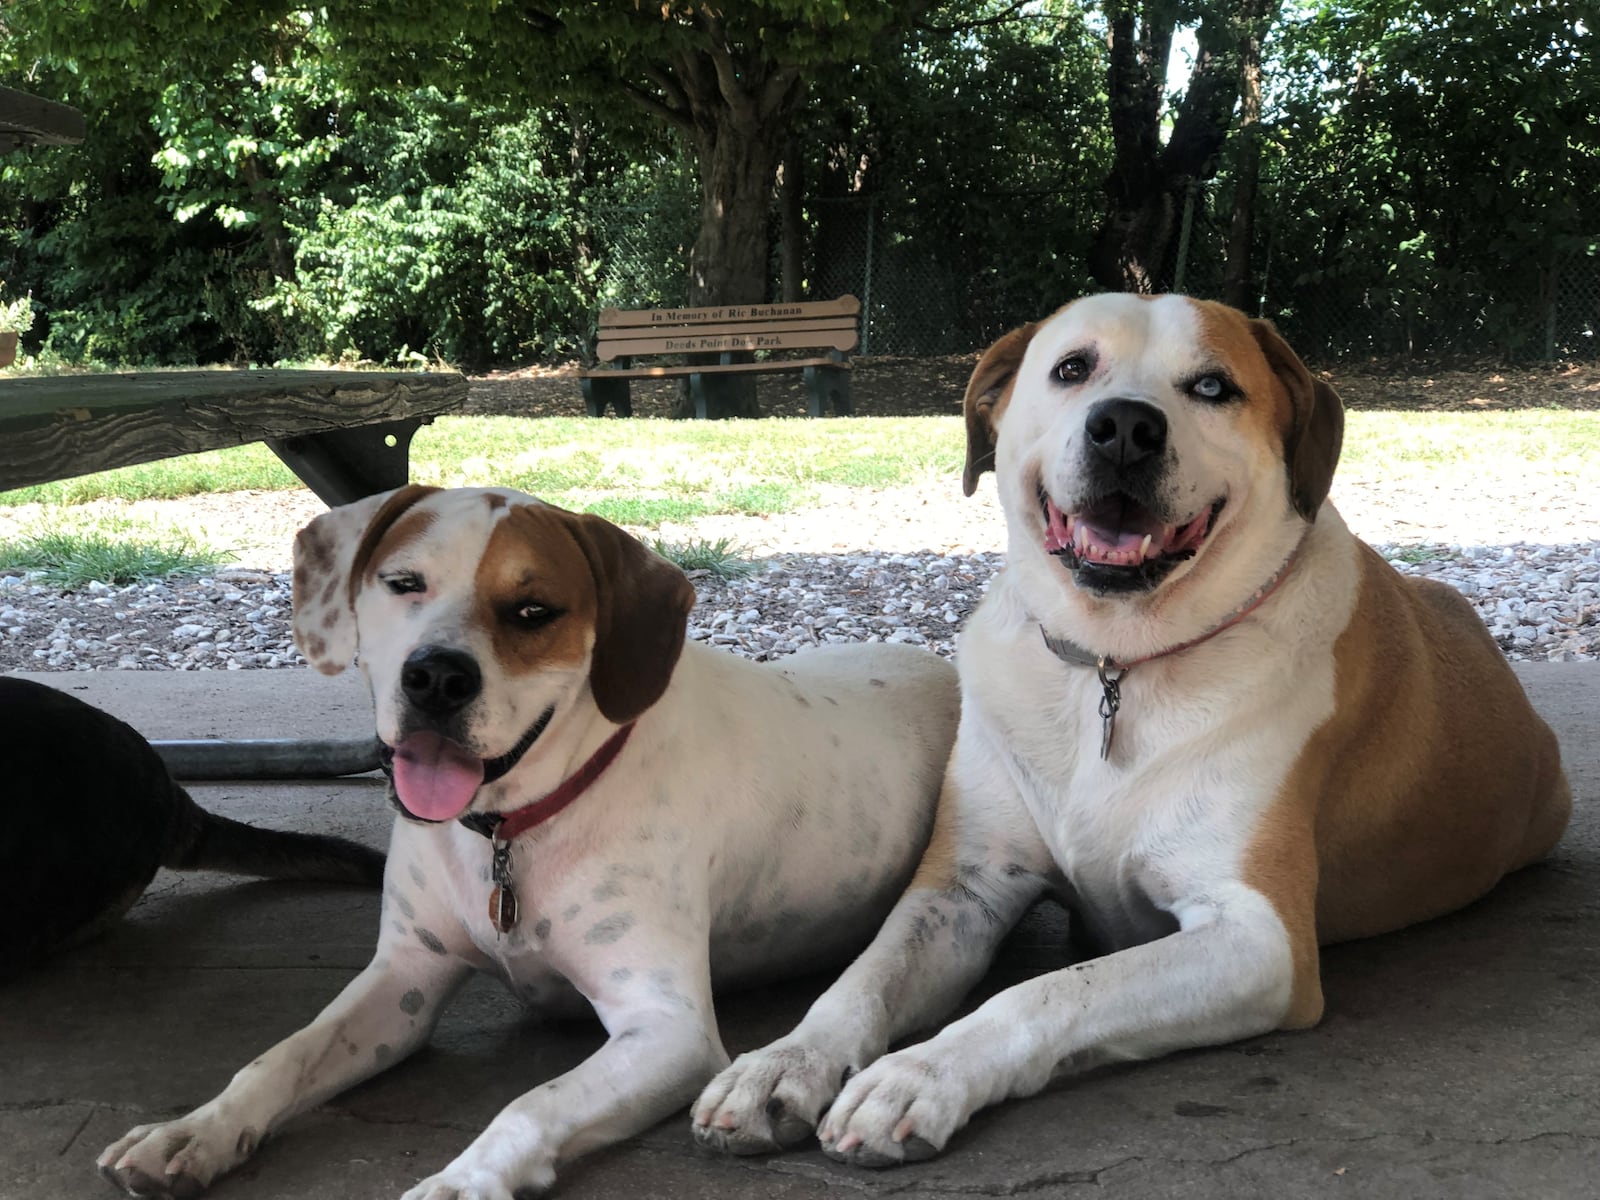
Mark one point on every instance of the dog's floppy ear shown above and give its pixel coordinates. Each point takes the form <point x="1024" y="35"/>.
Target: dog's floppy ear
<point x="642" y="605"/>
<point x="987" y="393"/>
<point x="330" y="556"/>
<point x="1316" y="429"/>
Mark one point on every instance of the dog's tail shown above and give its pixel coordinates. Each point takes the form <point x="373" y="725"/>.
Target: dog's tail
<point x="206" y="841"/>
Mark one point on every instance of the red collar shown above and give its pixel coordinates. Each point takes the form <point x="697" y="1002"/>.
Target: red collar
<point x="502" y="827"/>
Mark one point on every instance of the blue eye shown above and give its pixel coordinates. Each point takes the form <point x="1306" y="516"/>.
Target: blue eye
<point x="1210" y="387"/>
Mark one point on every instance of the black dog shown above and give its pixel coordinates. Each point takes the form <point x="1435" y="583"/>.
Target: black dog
<point x="87" y="814"/>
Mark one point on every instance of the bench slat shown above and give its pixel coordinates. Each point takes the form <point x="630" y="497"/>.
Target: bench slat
<point x="617" y="318"/>
<point x="822" y="329"/>
<point x="782" y="364"/>
<point x="838" y="339"/>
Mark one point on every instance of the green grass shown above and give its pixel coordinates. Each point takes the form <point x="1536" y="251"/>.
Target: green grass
<point x="721" y="558"/>
<point x="111" y="551"/>
<point x="646" y="472"/>
<point x="634" y="472"/>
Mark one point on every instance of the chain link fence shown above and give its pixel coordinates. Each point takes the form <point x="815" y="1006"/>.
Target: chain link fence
<point x="951" y="284"/>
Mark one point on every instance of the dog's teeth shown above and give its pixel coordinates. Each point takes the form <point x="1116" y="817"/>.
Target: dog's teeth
<point x="1144" y="548"/>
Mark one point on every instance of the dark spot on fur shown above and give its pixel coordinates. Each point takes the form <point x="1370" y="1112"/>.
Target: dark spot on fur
<point x="496" y="501"/>
<point x="417" y="877"/>
<point x="804" y="703"/>
<point x="541" y="928"/>
<point x="831" y="701"/>
<point x="609" y="890"/>
<point x="246" y="1145"/>
<point x="330" y="593"/>
<point x="330" y="619"/>
<point x="621" y="975"/>
<point x="411" y="1003"/>
<point x="382" y="1053"/>
<point x="400" y="902"/>
<point x="430" y="940"/>
<point x="877" y="683"/>
<point x="572" y="911"/>
<point x="316" y="647"/>
<point x="603" y="933"/>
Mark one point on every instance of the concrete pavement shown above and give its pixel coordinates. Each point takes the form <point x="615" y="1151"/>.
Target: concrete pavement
<point x="1459" y="1059"/>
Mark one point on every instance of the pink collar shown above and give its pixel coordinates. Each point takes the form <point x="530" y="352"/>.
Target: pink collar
<point x="1113" y="670"/>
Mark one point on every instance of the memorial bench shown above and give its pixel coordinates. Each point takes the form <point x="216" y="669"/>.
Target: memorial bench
<point x="733" y="333"/>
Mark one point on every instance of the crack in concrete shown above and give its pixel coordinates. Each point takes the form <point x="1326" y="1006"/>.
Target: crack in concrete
<point x="76" y="1133"/>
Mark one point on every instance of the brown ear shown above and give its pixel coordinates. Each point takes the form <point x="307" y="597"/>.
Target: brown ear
<point x="1316" y="428"/>
<point x="988" y="392"/>
<point x="330" y="555"/>
<point x="642" y="605"/>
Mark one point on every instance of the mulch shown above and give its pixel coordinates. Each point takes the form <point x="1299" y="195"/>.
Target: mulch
<point x="914" y="387"/>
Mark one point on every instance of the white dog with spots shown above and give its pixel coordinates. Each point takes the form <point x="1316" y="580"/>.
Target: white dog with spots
<point x="590" y="808"/>
<point x="1196" y="709"/>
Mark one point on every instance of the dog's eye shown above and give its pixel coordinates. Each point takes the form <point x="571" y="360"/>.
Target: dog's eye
<point x="404" y="582"/>
<point x="1211" y="387"/>
<point x="532" y="614"/>
<point x="1074" y="368"/>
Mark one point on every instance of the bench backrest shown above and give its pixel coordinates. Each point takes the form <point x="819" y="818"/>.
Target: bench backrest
<point x="814" y="325"/>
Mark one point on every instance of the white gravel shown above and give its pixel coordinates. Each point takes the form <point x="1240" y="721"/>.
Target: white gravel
<point x="905" y="564"/>
<point x="1540" y="601"/>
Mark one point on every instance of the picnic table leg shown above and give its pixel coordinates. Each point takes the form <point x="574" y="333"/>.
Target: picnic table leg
<point x="343" y="465"/>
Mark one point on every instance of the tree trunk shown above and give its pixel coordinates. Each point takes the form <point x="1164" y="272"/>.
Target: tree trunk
<point x="792" y="228"/>
<point x="1144" y="191"/>
<point x="280" y="249"/>
<point x="739" y="108"/>
<point x="1237" y="288"/>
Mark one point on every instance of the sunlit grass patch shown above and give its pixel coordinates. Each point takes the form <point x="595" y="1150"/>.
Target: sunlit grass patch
<point x="106" y="551"/>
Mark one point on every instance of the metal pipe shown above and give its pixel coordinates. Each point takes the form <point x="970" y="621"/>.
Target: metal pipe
<point x="268" y="758"/>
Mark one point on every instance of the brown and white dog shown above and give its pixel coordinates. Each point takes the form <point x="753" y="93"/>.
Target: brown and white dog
<point x="696" y="820"/>
<point x="1194" y="707"/>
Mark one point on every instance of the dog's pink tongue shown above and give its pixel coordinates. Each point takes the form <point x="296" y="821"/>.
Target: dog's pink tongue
<point x="435" y="778"/>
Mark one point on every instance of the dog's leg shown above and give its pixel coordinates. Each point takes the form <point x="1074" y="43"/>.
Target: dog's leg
<point x="384" y="1014"/>
<point x="984" y="866"/>
<point x="663" y="1047"/>
<point x="1226" y="974"/>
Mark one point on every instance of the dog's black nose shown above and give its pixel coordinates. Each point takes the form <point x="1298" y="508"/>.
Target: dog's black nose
<point x="1126" y="431"/>
<point x="439" y="680"/>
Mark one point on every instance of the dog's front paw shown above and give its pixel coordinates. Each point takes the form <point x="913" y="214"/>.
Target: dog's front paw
<point x="901" y="1109"/>
<point x="768" y="1100"/>
<point x="176" y="1158"/>
<point x="458" y="1182"/>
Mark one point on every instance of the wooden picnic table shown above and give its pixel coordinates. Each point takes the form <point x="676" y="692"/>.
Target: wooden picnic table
<point x="345" y="433"/>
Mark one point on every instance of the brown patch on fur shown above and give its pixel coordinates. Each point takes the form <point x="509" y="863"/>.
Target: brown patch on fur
<point x="315" y="646"/>
<point x="988" y="393"/>
<point x="941" y="860"/>
<point x="1431" y="781"/>
<point x="496" y="501"/>
<point x="1285" y="404"/>
<point x="531" y="557"/>
<point x="641" y="617"/>
<point x="598" y="578"/>
<point x="379" y="527"/>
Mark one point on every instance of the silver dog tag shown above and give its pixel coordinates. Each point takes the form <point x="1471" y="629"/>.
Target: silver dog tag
<point x="1110" y="702"/>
